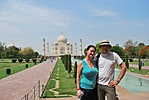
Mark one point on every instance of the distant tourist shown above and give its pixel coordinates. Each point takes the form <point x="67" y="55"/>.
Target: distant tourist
<point x="142" y="62"/>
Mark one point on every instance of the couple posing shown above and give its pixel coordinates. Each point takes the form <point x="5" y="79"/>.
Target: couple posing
<point x="97" y="80"/>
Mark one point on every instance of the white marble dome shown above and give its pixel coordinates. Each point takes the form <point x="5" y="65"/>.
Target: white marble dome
<point x="10" y="45"/>
<point x="62" y="39"/>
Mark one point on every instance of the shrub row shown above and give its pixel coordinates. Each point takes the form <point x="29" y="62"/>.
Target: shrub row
<point x="21" y="60"/>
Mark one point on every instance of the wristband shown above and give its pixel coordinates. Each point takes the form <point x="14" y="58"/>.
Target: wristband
<point x="78" y="89"/>
<point x="117" y="81"/>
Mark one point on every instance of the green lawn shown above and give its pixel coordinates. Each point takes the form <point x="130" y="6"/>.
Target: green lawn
<point x="66" y="82"/>
<point x="145" y="63"/>
<point x="136" y="70"/>
<point x="15" y="67"/>
<point x="5" y="60"/>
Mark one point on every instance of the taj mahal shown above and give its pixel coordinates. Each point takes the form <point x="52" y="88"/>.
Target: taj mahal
<point x="62" y="47"/>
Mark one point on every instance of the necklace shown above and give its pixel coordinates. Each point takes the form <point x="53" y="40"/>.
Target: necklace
<point x="89" y="62"/>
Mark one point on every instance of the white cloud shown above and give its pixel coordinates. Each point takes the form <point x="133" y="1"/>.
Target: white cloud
<point x="5" y="28"/>
<point x="101" y="12"/>
<point x="19" y="14"/>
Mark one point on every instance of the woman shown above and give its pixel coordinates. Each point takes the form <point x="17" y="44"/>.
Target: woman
<point x="86" y="76"/>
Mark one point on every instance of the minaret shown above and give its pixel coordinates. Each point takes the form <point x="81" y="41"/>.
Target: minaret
<point x="44" y="47"/>
<point x="47" y="49"/>
<point x="75" y="48"/>
<point x="80" y="47"/>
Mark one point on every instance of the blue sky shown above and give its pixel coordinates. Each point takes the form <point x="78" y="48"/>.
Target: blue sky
<point x="26" y="22"/>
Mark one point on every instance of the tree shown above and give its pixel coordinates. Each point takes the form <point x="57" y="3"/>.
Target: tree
<point x="126" y="61"/>
<point x="75" y="71"/>
<point x="97" y="47"/>
<point x="1" y="49"/>
<point x="131" y="48"/>
<point x="85" y="51"/>
<point x="12" y="52"/>
<point x="119" y="50"/>
<point x="65" y="61"/>
<point x="27" y="52"/>
<point x="36" y="54"/>
<point x="144" y="51"/>
<point x="130" y="43"/>
<point x="147" y="53"/>
<point x="141" y="45"/>
<point x="140" y="63"/>
<point x="69" y="63"/>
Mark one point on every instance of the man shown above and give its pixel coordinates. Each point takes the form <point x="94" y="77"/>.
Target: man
<point x="106" y="64"/>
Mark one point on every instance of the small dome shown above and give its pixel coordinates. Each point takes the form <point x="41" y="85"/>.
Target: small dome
<point x="68" y="43"/>
<point x="10" y="45"/>
<point x="62" y="38"/>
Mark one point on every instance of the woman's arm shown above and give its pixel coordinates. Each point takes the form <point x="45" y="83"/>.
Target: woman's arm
<point x="79" y="71"/>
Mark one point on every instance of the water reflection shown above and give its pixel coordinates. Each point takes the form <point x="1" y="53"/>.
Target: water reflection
<point x="133" y="82"/>
<point x="140" y="80"/>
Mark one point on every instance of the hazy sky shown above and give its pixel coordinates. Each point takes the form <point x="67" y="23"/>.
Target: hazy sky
<point x="26" y="22"/>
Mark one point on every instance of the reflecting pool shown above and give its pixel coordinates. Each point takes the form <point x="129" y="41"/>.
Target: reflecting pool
<point x="133" y="83"/>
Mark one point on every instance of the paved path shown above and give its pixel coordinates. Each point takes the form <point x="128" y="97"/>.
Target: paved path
<point x="16" y="86"/>
<point x="136" y="66"/>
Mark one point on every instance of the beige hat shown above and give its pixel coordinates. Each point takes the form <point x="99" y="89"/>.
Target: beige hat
<point x="105" y="42"/>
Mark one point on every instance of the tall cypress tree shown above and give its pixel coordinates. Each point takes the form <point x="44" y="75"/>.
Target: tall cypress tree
<point x="126" y="60"/>
<point x="69" y="63"/>
<point x="140" y="64"/>
<point x="66" y="62"/>
<point x="75" y="71"/>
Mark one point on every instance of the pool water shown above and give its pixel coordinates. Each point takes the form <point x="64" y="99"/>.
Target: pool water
<point x="133" y="83"/>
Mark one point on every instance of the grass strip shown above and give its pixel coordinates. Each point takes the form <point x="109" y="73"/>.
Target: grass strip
<point x="67" y="86"/>
<point x="136" y="70"/>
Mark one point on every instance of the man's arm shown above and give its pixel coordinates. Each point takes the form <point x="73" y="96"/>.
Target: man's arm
<point x="122" y="72"/>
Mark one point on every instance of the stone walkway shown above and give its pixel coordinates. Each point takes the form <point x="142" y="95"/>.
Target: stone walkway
<point x="16" y="86"/>
<point x="136" y="66"/>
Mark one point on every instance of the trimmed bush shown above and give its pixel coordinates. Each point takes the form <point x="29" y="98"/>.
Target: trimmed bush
<point x="27" y="60"/>
<point x="34" y="60"/>
<point x="26" y="65"/>
<point x="14" y="60"/>
<point x="130" y="59"/>
<point x="8" y="71"/>
<point x="20" y="60"/>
